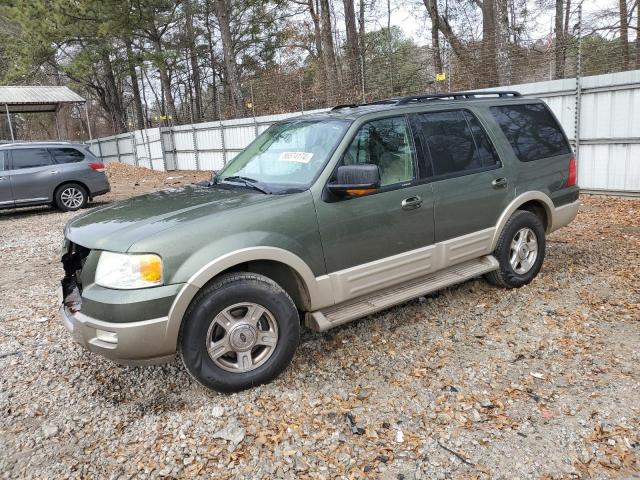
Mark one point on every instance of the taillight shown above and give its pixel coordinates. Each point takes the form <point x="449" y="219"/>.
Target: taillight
<point x="573" y="172"/>
<point x="98" y="167"/>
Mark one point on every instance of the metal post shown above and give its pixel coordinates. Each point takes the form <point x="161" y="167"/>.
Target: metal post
<point x="253" y="111"/>
<point x="134" y="147"/>
<point x="301" y="98"/>
<point x="57" y="124"/>
<point x="118" y="148"/>
<point x="86" y="112"/>
<point x="6" y="106"/>
<point x="224" y="150"/>
<point x="100" y="150"/>
<point x="578" y="84"/>
<point x="194" y="139"/>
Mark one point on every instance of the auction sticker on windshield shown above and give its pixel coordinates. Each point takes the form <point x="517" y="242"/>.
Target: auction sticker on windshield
<point x="300" y="157"/>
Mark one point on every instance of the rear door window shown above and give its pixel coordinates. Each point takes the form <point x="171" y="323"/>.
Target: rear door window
<point x="532" y="131"/>
<point x="455" y="141"/>
<point x="30" y="158"/>
<point x="66" y="155"/>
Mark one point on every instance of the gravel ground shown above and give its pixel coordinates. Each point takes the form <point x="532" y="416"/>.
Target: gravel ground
<point x="474" y="382"/>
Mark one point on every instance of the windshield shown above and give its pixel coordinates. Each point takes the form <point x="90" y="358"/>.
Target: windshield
<point x="287" y="155"/>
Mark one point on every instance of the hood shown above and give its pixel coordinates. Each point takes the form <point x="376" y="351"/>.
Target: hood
<point x="118" y="226"/>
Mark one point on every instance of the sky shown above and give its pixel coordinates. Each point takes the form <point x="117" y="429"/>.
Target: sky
<point x="412" y="17"/>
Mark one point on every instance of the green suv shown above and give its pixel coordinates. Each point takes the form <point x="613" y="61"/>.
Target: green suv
<point x="323" y="219"/>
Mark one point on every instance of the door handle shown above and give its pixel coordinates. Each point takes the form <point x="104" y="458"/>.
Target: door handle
<point x="53" y="172"/>
<point x="412" y="203"/>
<point x="499" y="182"/>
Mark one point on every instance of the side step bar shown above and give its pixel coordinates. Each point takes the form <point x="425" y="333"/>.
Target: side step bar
<point x="374" y="302"/>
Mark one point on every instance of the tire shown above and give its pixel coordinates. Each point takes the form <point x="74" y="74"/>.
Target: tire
<point x="246" y="351"/>
<point x="70" y="197"/>
<point x="514" y="249"/>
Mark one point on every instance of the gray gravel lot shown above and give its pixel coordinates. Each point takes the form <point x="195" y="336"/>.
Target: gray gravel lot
<point x="474" y="382"/>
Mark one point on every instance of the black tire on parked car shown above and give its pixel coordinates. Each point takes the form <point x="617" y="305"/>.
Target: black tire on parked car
<point x="70" y="197"/>
<point x="520" y="251"/>
<point x="240" y="331"/>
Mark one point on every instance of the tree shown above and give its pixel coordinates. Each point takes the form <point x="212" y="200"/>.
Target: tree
<point x="328" y="53"/>
<point x="221" y="8"/>
<point x="624" y="33"/>
<point x="352" y="46"/>
<point x="432" y="9"/>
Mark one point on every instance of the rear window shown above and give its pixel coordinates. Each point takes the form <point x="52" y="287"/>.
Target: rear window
<point x="67" y="155"/>
<point x="30" y="157"/>
<point x="531" y="130"/>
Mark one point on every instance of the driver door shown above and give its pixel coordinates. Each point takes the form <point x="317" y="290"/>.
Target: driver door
<point x="378" y="239"/>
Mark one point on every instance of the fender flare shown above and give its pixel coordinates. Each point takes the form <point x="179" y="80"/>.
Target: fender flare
<point x="517" y="203"/>
<point x="318" y="289"/>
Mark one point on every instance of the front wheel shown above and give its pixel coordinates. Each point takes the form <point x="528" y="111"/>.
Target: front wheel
<point x="241" y="331"/>
<point x="520" y="251"/>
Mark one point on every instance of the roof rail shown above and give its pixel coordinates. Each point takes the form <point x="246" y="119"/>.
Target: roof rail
<point x="432" y="96"/>
<point x="456" y="96"/>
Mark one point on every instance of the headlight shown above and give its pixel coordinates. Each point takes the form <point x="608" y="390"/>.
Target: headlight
<point x="120" y="270"/>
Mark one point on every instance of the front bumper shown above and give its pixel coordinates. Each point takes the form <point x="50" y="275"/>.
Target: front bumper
<point x="132" y="343"/>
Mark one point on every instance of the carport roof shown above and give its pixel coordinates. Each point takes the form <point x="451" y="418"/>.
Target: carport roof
<point x="28" y="99"/>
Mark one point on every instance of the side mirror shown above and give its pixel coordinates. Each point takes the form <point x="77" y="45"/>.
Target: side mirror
<point x="357" y="179"/>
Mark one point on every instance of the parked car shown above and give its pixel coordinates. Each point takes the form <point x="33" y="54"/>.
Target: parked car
<point x="62" y="174"/>
<point x="322" y="219"/>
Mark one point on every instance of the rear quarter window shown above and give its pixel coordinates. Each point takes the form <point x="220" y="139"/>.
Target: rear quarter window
<point x="531" y="130"/>
<point x="67" y="155"/>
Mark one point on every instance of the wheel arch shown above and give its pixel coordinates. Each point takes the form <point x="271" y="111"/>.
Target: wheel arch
<point x="536" y="202"/>
<point x="285" y="268"/>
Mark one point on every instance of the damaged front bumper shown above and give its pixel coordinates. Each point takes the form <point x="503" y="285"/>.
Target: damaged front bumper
<point x="132" y="343"/>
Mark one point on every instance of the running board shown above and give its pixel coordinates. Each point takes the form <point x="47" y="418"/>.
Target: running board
<point x="374" y="302"/>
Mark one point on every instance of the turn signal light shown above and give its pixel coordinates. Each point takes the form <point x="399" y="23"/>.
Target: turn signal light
<point x="99" y="167"/>
<point x="573" y="172"/>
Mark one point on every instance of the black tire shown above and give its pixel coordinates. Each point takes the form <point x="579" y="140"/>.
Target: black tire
<point x="228" y="290"/>
<point x="70" y="197"/>
<point x="505" y="276"/>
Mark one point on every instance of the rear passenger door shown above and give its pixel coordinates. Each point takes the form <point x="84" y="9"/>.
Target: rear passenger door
<point x="471" y="186"/>
<point x="34" y="175"/>
<point x="6" y="197"/>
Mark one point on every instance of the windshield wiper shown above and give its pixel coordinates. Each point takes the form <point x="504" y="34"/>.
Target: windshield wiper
<point x="246" y="181"/>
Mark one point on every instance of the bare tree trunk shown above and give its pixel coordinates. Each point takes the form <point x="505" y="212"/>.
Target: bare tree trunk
<point x="488" y="60"/>
<point x="363" y="46"/>
<point x="353" y="49"/>
<point x="638" y="35"/>
<point x="389" y="47"/>
<point x="137" y="101"/>
<point x="565" y="33"/>
<point x="193" y="60"/>
<point x="165" y="80"/>
<point x="503" y="36"/>
<point x="317" y="31"/>
<point x="231" y="69"/>
<point x="328" y="53"/>
<point x="559" y="43"/>
<point x="212" y="60"/>
<point x="112" y="97"/>
<point x="432" y="9"/>
<point x="624" y="33"/>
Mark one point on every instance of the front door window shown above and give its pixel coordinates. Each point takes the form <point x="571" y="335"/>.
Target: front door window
<point x="387" y="144"/>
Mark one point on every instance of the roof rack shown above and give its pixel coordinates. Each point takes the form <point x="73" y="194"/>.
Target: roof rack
<point x="433" y="96"/>
<point x="457" y="96"/>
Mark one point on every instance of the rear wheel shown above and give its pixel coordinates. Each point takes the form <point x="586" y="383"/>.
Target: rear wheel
<point x="240" y="331"/>
<point x="70" y="197"/>
<point x="520" y="251"/>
